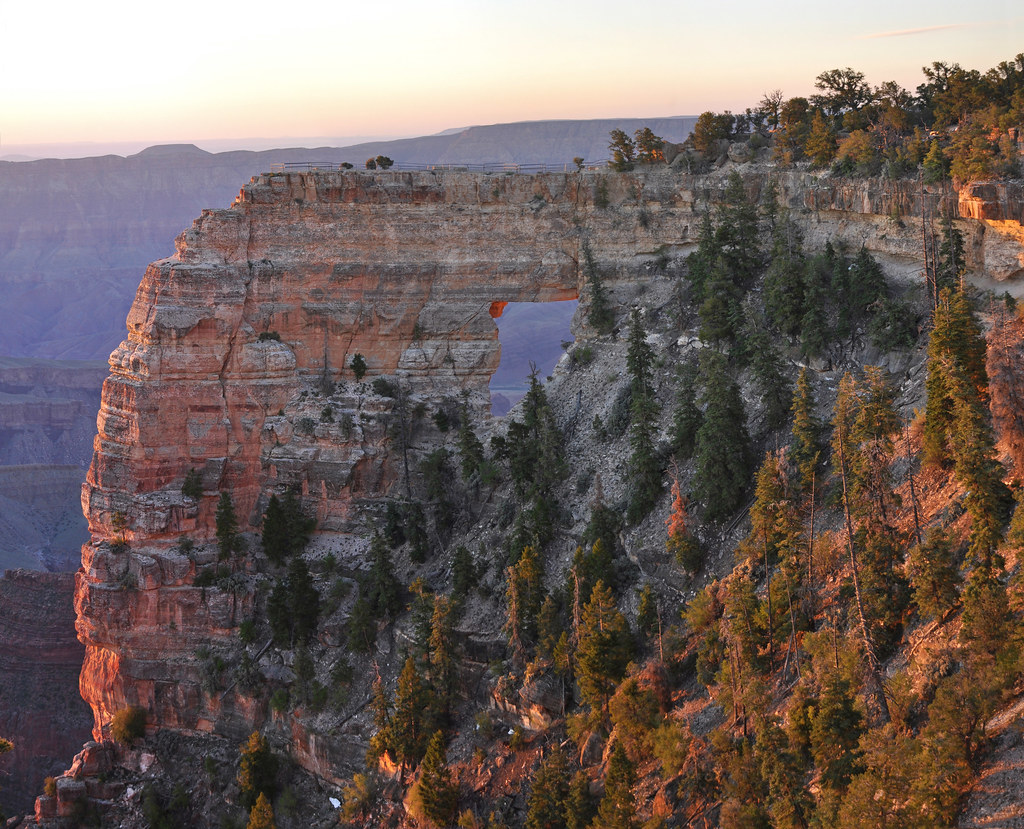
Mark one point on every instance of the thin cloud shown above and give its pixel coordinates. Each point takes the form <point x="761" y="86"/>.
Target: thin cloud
<point x="922" y="31"/>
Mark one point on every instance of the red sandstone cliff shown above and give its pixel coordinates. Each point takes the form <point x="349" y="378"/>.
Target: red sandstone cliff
<point x="402" y="268"/>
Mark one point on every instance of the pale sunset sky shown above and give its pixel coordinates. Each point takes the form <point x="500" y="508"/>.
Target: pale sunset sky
<point x="115" y="72"/>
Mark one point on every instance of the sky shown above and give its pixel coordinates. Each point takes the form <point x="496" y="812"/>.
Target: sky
<point x="225" y="73"/>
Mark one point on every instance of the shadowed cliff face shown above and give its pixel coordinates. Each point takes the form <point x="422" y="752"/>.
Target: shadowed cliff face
<point x="404" y="269"/>
<point x="40" y="708"/>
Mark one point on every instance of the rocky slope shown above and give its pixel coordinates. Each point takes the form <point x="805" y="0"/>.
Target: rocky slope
<point x="407" y="269"/>
<point x="40" y="658"/>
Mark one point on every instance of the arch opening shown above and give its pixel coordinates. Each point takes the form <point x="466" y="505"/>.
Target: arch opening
<point x="528" y="332"/>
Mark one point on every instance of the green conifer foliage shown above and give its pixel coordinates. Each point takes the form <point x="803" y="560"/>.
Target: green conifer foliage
<point x="618" y="805"/>
<point x="408" y="730"/>
<point x="286" y="529"/>
<point x="227" y="527"/>
<point x="257" y="770"/>
<point x="645" y="469"/>
<point x="952" y="261"/>
<point x="380" y="706"/>
<point x="604" y="650"/>
<point x="545" y="808"/>
<point x="815" y="332"/>
<point x="601" y="316"/>
<point x="434" y="796"/>
<point x="687" y="417"/>
<point x="958" y="422"/>
<point x="805" y="449"/>
<point x="836" y="728"/>
<point x="579" y="805"/>
<point x="383" y="590"/>
<point x="784" y="281"/>
<point x="722" y="446"/>
<point x="933" y="574"/>
<point x="767" y="367"/>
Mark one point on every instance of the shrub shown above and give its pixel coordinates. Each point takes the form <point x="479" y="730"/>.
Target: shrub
<point x="358" y="365"/>
<point x="383" y="387"/>
<point x="50" y="787"/>
<point x="266" y="336"/>
<point x="128" y="725"/>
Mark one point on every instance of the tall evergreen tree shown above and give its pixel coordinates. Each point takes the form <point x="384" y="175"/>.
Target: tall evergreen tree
<point x="545" y="808"/>
<point x="383" y="590"/>
<point x="227" y="527"/>
<point x="618" y="804"/>
<point x="933" y="574"/>
<point x="645" y="470"/>
<point x="687" y="417"/>
<point x="767" y="368"/>
<point x="435" y="795"/>
<point x="262" y="814"/>
<point x="805" y="449"/>
<point x="723" y="446"/>
<point x="784" y="281"/>
<point x="604" y="650"/>
<point x="409" y="727"/>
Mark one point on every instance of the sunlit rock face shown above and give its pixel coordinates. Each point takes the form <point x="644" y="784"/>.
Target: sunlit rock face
<point x="238" y="360"/>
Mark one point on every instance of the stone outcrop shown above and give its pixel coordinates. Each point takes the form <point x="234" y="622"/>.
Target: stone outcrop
<point x="41" y="711"/>
<point x="237" y="364"/>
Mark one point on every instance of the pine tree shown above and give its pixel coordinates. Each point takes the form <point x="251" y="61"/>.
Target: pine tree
<point x="645" y="470"/>
<point x="784" y="281"/>
<point x="275" y="533"/>
<point x="722" y="447"/>
<point x="545" y="808"/>
<point x="805" y="449"/>
<point x="257" y="770"/>
<point x="381" y="740"/>
<point x="227" y="527"/>
<point x="604" y="650"/>
<point x="524" y="597"/>
<point x="262" y="814"/>
<point x="721" y="312"/>
<point x="303" y="599"/>
<point x="601" y="317"/>
<point x="618" y="805"/>
<point x="737" y="232"/>
<point x="408" y="728"/>
<point x="681" y="543"/>
<point x="361" y="628"/>
<point x="933" y="574"/>
<point x="442" y="655"/>
<point x="471" y="451"/>
<point x="836" y="727"/>
<point x="579" y="805"/>
<point x="814" y="329"/>
<point x="687" y="418"/>
<point x="952" y="261"/>
<point x="958" y="422"/>
<point x="767" y="367"/>
<point x="382" y="587"/>
<point x="434" y="796"/>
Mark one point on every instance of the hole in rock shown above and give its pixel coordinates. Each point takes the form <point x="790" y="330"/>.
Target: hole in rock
<point x="529" y="331"/>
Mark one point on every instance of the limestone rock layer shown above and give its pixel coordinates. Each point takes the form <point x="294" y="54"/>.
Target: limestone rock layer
<point x="237" y="363"/>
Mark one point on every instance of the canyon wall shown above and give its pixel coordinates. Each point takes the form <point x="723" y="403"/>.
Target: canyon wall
<point x="237" y="364"/>
<point x="40" y="658"/>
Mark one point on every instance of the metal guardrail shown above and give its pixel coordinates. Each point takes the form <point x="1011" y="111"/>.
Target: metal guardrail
<point x="506" y="167"/>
